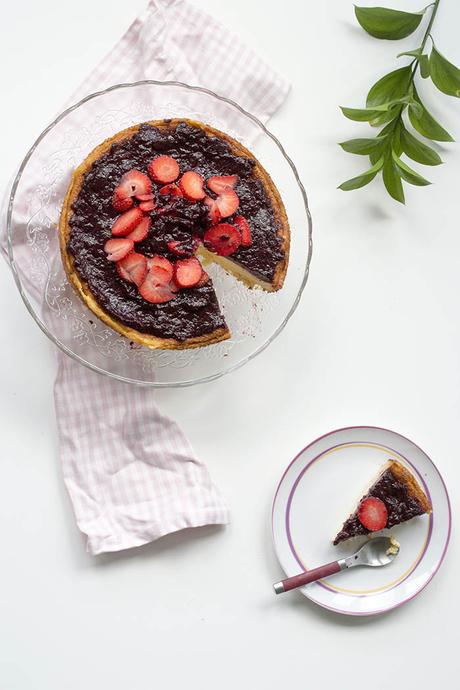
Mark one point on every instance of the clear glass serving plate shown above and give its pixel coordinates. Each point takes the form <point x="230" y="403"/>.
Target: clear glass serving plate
<point x="254" y="316"/>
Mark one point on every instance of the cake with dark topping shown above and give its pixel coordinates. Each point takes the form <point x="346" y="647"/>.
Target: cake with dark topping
<point x="146" y="207"/>
<point x="394" y="497"/>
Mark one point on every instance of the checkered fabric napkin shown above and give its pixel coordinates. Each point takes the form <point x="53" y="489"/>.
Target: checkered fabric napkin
<point x="131" y="474"/>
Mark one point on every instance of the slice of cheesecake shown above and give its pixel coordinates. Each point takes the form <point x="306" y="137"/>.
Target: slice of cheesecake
<point x="394" y="497"/>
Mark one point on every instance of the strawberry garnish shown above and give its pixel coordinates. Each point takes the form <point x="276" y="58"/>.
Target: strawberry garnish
<point x="214" y="213"/>
<point x="121" y="201"/>
<point x="141" y="230"/>
<point x="164" y="169"/>
<point x="161" y="262"/>
<point x="147" y="205"/>
<point x="191" y="184"/>
<point x="157" y="287"/>
<point x="144" y="197"/>
<point x="135" y="183"/>
<point x="242" y="224"/>
<point x="223" y="239"/>
<point x="203" y="280"/>
<point x="176" y="247"/>
<point x="133" y="268"/>
<point x="372" y="513"/>
<point x="220" y="183"/>
<point x="118" y="248"/>
<point x="187" y="272"/>
<point x="227" y="202"/>
<point x="171" y="189"/>
<point x="125" y="223"/>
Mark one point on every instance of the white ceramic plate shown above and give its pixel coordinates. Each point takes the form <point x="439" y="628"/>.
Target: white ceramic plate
<point x="318" y="491"/>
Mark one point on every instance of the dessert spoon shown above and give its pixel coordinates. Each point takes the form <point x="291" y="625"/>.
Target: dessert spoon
<point x="375" y="552"/>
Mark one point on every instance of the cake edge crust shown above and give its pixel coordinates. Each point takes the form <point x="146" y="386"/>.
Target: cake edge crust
<point x="402" y="474"/>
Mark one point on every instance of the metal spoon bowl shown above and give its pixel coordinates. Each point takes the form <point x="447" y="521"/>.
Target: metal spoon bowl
<point x="376" y="552"/>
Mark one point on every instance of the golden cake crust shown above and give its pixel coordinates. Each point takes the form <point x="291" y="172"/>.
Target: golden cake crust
<point x="82" y="287"/>
<point x="405" y="477"/>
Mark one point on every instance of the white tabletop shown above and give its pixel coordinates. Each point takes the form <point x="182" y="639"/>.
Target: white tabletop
<point x="376" y="340"/>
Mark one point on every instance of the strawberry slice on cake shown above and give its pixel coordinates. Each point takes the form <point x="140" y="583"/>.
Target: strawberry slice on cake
<point x="394" y="497"/>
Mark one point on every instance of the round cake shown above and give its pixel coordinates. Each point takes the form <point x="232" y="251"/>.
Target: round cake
<point x="142" y="210"/>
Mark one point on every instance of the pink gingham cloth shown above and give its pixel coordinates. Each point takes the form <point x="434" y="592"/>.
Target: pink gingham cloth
<point x="131" y="473"/>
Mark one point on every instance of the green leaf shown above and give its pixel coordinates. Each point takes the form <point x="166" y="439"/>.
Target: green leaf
<point x="382" y="118"/>
<point x="408" y="174"/>
<point x="444" y="74"/>
<point x="391" y="87"/>
<point x="385" y="135"/>
<point x="377" y="115"/>
<point x="381" y="22"/>
<point x="424" y="64"/>
<point x="359" y="114"/>
<point x="411" y="53"/>
<point x="417" y="150"/>
<point x="387" y="130"/>
<point x="363" y="147"/>
<point x="425" y="123"/>
<point x="392" y="180"/>
<point x="416" y="107"/>
<point x="396" y="140"/>
<point x="392" y="113"/>
<point x="363" y="179"/>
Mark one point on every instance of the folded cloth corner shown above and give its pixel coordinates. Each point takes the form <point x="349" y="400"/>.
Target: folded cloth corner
<point x="131" y="473"/>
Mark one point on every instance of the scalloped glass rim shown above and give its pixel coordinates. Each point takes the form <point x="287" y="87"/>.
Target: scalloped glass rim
<point x="67" y="350"/>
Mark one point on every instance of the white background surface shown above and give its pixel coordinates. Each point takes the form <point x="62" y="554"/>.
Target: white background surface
<point x="376" y="340"/>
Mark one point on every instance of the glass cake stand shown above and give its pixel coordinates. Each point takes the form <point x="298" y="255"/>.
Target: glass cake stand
<point x="254" y="317"/>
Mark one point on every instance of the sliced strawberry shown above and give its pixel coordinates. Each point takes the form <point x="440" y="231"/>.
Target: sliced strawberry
<point x="141" y="230"/>
<point x="227" y="202"/>
<point x="163" y="263"/>
<point x="373" y="513"/>
<point x="156" y="287"/>
<point x="218" y="184"/>
<point x="147" y="205"/>
<point x="145" y="197"/>
<point x="214" y="213"/>
<point x="187" y="272"/>
<point x="125" y="223"/>
<point x="135" y="183"/>
<point x="160" y="274"/>
<point x="191" y="184"/>
<point x="121" y="201"/>
<point x="164" y="169"/>
<point x="245" y="231"/>
<point x="223" y="239"/>
<point x="133" y="268"/>
<point x="203" y="280"/>
<point x="177" y="248"/>
<point x="118" y="248"/>
<point x="171" y="189"/>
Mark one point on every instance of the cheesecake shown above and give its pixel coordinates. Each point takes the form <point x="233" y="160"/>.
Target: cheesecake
<point x="147" y="208"/>
<point x="394" y="497"/>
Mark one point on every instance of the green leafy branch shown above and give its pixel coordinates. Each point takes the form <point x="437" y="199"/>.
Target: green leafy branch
<point x="395" y="94"/>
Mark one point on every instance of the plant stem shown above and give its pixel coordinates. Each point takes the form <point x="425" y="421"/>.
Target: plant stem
<point x="425" y="38"/>
<point x="398" y="118"/>
<point x="430" y="24"/>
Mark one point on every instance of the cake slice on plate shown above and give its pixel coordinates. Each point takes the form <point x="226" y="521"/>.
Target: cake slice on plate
<point x="394" y="497"/>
